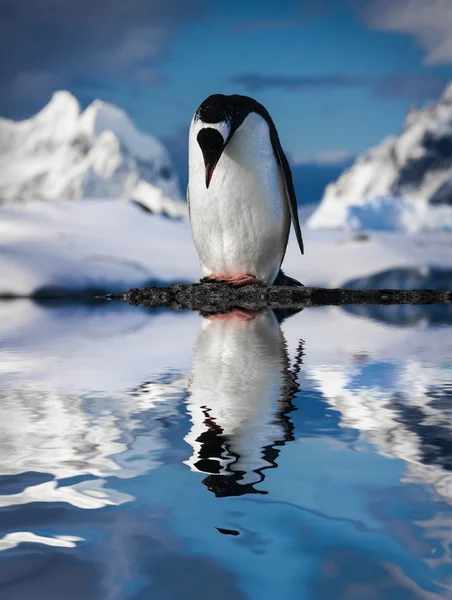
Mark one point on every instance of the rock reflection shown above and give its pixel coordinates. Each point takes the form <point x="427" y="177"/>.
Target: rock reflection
<point x="240" y="397"/>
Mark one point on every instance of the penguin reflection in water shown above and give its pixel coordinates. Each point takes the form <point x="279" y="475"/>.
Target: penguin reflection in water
<point x="240" y="193"/>
<point x="240" y="393"/>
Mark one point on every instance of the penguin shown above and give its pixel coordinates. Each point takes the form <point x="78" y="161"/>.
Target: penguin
<point x="240" y="195"/>
<point x="239" y="398"/>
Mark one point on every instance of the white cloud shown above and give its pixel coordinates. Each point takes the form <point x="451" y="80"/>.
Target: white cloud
<point x="324" y="157"/>
<point x="429" y="21"/>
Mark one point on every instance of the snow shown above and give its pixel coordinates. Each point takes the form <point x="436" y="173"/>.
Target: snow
<point x="101" y="244"/>
<point x="413" y="168"/>
<point x="65" y="153"/>
<point x="71" y="247"/>
<point x="333" y="258"/>
<point x="397" y="214"/>
<point x="101" y="116"/>
<point x="382" y="213"/>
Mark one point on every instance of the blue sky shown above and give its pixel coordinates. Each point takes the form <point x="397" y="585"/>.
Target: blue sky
<point x="212" y="55"/>
<point x="337" y="76"/>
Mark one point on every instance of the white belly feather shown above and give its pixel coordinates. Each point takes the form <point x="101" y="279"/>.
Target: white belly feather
<point x="240" y="224"/>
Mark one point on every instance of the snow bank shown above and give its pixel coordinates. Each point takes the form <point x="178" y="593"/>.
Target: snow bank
<point x="382" y="213"/>
<point x="100" y="245"/>
<point x="397" y="214"/>
<point x="71" y="247"/>
<point x="333" y="257"/>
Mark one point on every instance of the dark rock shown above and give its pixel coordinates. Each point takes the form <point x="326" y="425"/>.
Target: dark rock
<point x="211" y="298"/>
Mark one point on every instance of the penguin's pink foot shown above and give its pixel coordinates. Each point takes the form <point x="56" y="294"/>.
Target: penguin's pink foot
<point x="243" y="279"/>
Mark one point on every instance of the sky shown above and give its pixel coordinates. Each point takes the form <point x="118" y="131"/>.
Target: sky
<point x="336" y="75"/>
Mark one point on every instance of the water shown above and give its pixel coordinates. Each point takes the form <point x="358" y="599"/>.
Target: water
<point x="165" y="455"/>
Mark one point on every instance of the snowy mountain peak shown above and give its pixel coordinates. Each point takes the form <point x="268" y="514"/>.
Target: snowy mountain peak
<point x="63" y="152"/>
<point x="62" y="106"/>
<point x="61" y="101"/>
<point x="101" y="116"/>
<point x="413" y="171"/>
<point x="56" y="121"/>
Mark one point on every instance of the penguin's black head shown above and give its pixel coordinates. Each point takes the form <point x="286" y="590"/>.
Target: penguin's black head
<point x="220" y="117"/>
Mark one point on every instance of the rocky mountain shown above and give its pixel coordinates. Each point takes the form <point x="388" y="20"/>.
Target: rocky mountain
<point x="66" y="153"/>
<point x="415" y="167"/>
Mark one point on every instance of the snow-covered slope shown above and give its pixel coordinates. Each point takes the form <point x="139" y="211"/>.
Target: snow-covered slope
<point x="105" y="245"/>
<point x="414" y="168"/>
<point x="68" y="247"/>
<point x="63" y="152"/>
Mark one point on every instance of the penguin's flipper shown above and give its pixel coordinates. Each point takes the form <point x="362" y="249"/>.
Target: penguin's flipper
<point x="290" y="190"/>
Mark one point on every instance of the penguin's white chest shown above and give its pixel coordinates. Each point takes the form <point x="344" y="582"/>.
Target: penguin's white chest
<point x="240" y="224"/>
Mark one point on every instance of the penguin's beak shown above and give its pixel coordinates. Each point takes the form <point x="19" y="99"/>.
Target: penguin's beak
<point x="209" y="169"/>
<point x="212" y="145"/>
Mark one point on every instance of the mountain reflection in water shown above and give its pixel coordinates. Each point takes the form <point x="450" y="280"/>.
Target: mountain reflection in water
<point x="157" y="454"/>
<point x="241" y="391"/>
